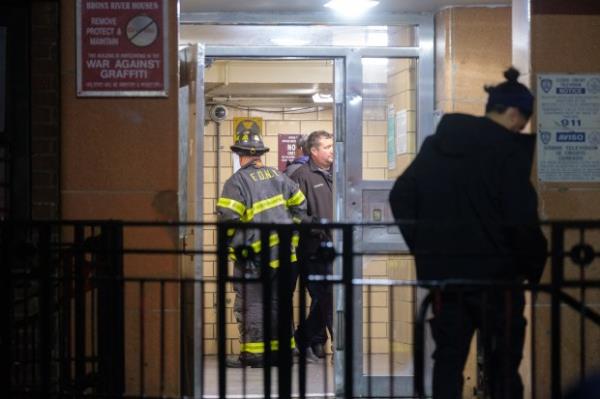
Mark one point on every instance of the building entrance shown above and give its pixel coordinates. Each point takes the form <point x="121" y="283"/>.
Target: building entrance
<point x="379" y="105"/>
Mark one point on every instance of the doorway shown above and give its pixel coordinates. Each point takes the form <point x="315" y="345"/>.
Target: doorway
<point x="381" y="110"/>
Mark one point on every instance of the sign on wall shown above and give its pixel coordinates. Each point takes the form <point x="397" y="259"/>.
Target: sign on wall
<point x="122" y="48"/>
<point x="568" y="110"/>
<point x="286" y="145"/>
<point x="391" y="137"/>
<point x="402" y="131"/>
<point x="242" y="124"/>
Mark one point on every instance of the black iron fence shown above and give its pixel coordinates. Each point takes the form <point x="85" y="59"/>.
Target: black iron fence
<point x="92" y="309"/>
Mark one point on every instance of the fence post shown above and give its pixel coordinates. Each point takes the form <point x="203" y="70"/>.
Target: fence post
<point x="284" y="311"/>
<point x="79" y="300"/>
<point x="419" y="346"/>
<point x="221" y="284"/>
<point x="6" y="302"/>
<point x="557" y="280"/>
<point x="45" y="275"/>
<point x="265" y="281"/>
<point x="111" y="307"/>
<point x="347" y="278"/>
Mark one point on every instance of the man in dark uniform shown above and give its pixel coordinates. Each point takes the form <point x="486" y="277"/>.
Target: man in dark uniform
<point x="316" y="183"/>
<point x="469" y="192"/>
<point x="256" y="193"/>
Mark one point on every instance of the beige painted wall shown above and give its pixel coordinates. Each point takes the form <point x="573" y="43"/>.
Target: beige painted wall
<point x="119" y="161"/>
<point x="473" y="48"/>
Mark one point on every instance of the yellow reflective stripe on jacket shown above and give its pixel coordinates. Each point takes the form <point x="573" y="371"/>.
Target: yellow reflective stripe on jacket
<point x="296" y="199"/>
<point x="273" y="240"/>
<point x="262" y="206"/>
<point x="232" y="204"/>
<point x="259" y="347"/>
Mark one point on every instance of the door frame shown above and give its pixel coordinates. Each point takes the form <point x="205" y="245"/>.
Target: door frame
<point x="349" y="184"/>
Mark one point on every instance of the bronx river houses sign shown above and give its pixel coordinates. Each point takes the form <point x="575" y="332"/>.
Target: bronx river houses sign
<point x="122" y="48"/>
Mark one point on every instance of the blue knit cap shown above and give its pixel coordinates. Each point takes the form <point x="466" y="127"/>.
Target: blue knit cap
<point x="511" y="94"/>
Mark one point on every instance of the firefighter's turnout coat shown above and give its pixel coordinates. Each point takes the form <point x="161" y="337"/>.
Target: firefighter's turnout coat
<point x="257" y="194"/>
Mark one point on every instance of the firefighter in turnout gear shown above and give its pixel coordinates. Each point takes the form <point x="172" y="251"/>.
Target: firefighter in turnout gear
<point x="260" y="194"/>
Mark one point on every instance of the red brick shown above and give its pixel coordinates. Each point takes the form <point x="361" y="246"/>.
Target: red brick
<point x="44" y="66"/>
<point x="44" y="97"/>
<point x="44" y="179"/>
<point x="43" y="146"/>
<point x="45" y="34"/>
<point x="44" y="81"/>
<point x="46" y="162"/>
<point x="44" y="211"/>
<point x="44" y="13"/>
<point x="42" y="114"/>
<point x="48" y="195"/>
<point x="41" y="51"/>
<point x="48" y="131"/>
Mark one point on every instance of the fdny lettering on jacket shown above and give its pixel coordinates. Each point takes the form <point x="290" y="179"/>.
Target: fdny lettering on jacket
<point x="263" y="174"/>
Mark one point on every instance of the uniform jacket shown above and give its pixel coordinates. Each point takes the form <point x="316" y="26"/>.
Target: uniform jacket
<point x="317" y="186"/>
<point x="469" y="192"/>
<point x="263" y="195"/>
<point x="295" y="164"/>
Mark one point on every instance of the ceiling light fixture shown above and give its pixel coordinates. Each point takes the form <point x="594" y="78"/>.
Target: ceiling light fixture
<point x="351" y="8"/>
<point x="322" y="98"/>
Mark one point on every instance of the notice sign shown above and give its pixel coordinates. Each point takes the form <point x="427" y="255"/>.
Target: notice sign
<point x="568" y="109"/>
<point x="287" y="149"/>
<point x="122" y="48"/>
<point x="391" y="137"/>
<point x="402" y="131"/>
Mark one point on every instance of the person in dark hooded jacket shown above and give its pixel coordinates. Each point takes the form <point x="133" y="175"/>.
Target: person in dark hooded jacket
<point x="467" y="210"/>
<point x="301" y="157"/>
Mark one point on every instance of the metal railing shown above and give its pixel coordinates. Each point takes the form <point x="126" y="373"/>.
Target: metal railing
<point x="82" y="321"/>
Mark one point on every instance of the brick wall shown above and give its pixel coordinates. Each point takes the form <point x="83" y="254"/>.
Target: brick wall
<point x="45" y="124"/>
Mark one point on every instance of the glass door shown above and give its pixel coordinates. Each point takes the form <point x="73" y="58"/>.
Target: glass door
<point x="388" y="114"/>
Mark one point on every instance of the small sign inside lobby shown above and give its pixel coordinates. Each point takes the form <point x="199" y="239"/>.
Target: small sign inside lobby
<point x="122" y="48"/>
<point x="286" y="145"/>
<point x="568" y="112"/>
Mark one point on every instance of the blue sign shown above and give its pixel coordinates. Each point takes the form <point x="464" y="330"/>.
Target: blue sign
<point x="570" y="137"/>
<point x="570" y="90"/>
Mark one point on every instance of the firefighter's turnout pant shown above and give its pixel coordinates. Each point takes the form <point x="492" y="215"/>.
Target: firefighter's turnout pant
<point x="249" y="307"/>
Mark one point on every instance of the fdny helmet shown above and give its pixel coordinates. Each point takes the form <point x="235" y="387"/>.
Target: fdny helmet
<point x="247" y="139"/>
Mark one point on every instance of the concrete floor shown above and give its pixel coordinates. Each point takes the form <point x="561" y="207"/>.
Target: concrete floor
<point x="248" y="382"/>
